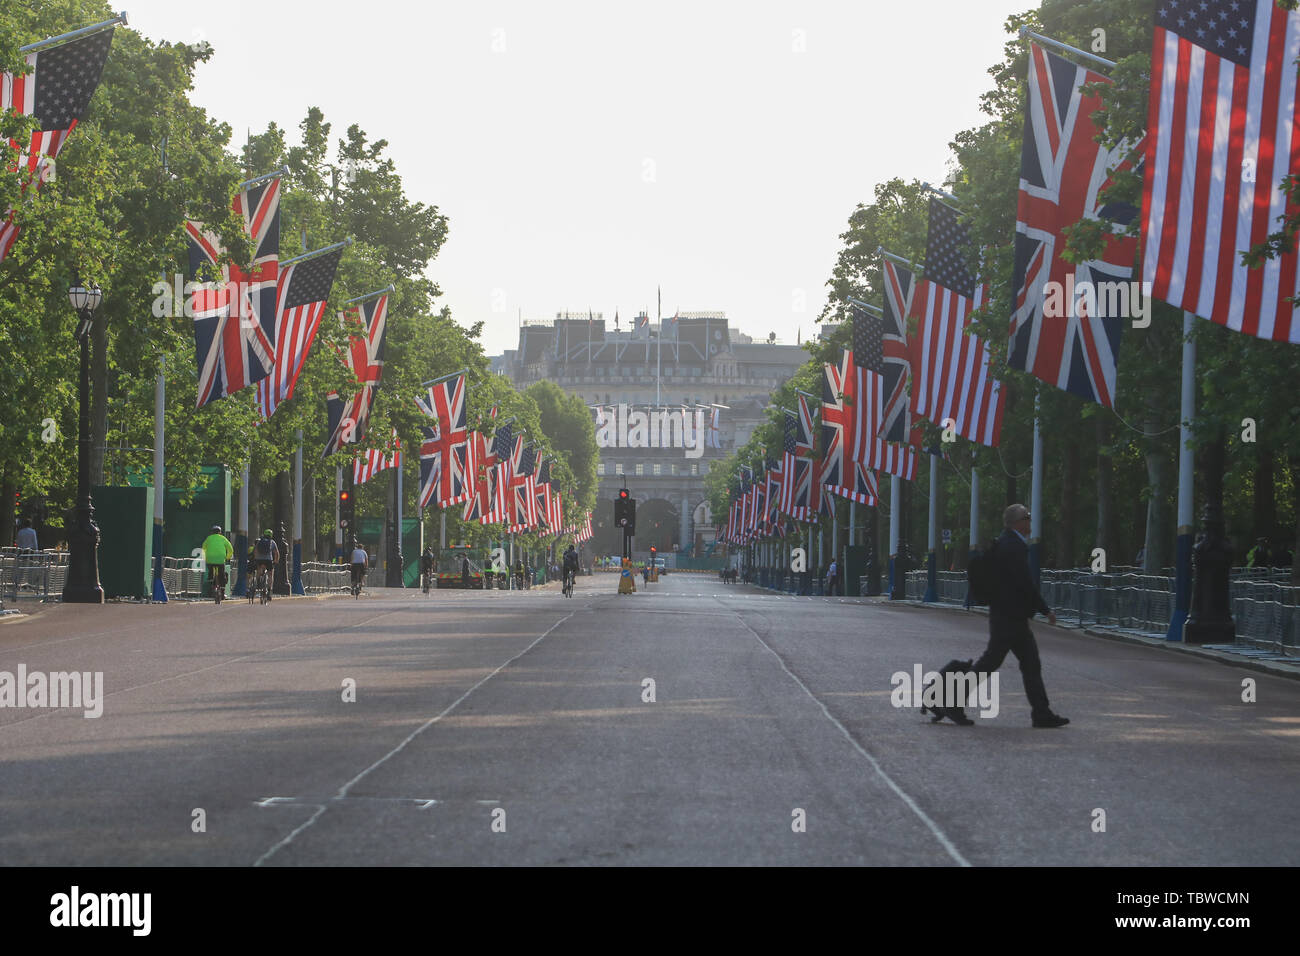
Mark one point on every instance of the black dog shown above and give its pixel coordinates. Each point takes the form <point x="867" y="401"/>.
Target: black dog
<point x="953" y="710"/>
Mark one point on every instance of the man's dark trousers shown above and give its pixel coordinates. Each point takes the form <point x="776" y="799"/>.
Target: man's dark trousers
<point x="1013" y="634"/>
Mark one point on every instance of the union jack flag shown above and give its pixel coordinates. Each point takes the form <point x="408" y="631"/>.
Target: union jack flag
<point x="57" y="93"/>
<point x="837" y="420"/>
<point x="807" y="489"/>
<point x="804" y="435"/>
<point x="445" y="404"/>
<point x="478" y="504"/>
<point x="302" y="289"/>
<point x="374" y="460"/>
<point x="951" y="378"/>
<point x="365" y="359"/>
<point x="523" y="492"/>
<point x="1222" y="134"/>
<point x="1063" y="172"/>
<point x="234" y="319"/>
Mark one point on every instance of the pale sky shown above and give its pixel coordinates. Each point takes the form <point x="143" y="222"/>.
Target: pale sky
<point x="587" y="152"/>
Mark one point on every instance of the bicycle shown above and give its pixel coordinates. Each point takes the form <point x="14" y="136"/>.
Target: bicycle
<point x="263" y="585"/>
<point x="568" y="584"/>
<point x="428" y="575"/>
<point x="217" y="575"/>
<point x="357" y="574"/>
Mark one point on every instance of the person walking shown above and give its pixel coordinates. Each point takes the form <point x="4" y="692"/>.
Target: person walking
<point x="1014" y="600"/>
<point x="832" y="577"/>
<point x="27" y="548"/>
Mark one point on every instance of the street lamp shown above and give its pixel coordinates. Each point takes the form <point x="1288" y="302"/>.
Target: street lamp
<point x="81" y="586"/>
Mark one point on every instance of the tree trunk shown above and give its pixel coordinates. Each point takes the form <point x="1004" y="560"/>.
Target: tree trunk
<point x="1158" y="531"/>
<point x="98" y="400"/>
<point x="1066" y="557"/>
<point x="7" y="491"/>
<point x="1105" y="504"/>
<point x="1265" y="506"/>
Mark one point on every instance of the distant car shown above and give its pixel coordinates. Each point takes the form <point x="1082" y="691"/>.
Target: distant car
<point x="661" y="565"/>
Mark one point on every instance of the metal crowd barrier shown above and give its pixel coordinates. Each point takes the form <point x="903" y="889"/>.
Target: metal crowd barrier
<point x="1265" y="606"/>
<point x="183" y="577"/>
<point x="32" y="575"/>
<point x="319" y="577"/>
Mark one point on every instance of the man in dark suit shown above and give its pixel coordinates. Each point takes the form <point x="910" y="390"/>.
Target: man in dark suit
<point x="1015" y="599"/>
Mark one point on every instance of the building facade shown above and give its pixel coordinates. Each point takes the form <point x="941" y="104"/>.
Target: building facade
<point x="654" y="387"/>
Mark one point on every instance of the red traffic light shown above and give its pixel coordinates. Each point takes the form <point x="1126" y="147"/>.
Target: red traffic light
<point x="622" y="493"/>
<point x="345" y="496"/>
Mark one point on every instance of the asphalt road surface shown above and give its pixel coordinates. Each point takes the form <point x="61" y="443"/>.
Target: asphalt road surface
<point x="515" y="728"/>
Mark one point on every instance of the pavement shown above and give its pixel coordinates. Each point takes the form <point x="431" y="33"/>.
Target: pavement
<point x="689" y="723"/>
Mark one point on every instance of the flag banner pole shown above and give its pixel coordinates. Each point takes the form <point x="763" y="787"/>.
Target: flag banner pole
<point x="1066" y="48"/>
<point x="932" y="538"/>
<point x="895" y="572"/>
<point x="1186" y="463"/>
<point x="939" y="192"/>
<point x="913" y="266"/>
<point x="64" y="37"/>
<point x="282" y="171"/>
<point x="241" y="539"/>
<point x="159" y="590"/>
<point x="295" y="580"/>
<point x="316" y="253"/>
<point x="443" y="378"/>
<point x="370" y="295"/>
<point x="875" y="310"/>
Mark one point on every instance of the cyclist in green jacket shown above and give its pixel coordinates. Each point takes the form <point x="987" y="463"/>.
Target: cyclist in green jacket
<point x="217" y="550"/>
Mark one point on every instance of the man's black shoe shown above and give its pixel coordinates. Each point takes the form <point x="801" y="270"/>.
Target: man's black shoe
<point x="1051" y="720"/>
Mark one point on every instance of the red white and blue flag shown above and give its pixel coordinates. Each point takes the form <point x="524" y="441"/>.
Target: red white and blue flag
<point x="303" y="288"/>
<point x="56" y="92"/>
<point x="1221" y="137"/>
<point x="364" y="357"/>
<point x="951" y="375"/>
<point x="234" y="318"/>
<point x="373" y="461"/>
<point x="1073" y="345"/>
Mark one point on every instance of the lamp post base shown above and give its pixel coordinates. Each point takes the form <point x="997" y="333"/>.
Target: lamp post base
<point x="82" y="583"/>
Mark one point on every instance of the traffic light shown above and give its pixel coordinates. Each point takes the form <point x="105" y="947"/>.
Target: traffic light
<point x="345" y="508"/>
<point x="625" y="511"/>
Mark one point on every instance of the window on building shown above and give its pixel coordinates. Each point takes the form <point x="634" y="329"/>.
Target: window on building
<point x="618" y="467"/>
<point x="640" y="469"/>
<point x="600" y="467"/>
<point x="695" y="468"/>
<point x="658" y="468"/>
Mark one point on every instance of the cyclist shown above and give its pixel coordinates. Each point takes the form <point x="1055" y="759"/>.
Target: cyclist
<point x="570" y="569"/>
<point x="426" y="566"/>
<point x="217" y="550"/>
<point x="265" y="556"/>
<point x="359" y="561"/>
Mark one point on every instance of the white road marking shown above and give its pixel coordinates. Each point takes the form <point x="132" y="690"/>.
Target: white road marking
<point x="911" y="804"/>
<point x="343" y="790"/>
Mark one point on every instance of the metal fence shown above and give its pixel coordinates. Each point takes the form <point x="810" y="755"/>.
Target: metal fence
<point x="319" y="577"/>
<point x="183" y="577"/>
<point x="1265" y="607"/>
<point x="32" y="575"/>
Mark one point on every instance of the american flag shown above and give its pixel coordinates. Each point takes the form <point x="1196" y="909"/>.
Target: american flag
<point x="373" y="461"/>
<point x="789" y="449"/>
<point x="585" y="533"/>
<point x="951" y="378"/>
<point x="365" y="359"/>
<point x="1062" y="174"/>
<point x="1221" y="135"/>
<point x="234" y="319"/>
<point x="477" y="505"/>
<point x="56" y="93"/>
<point x="863" y="490"/>
<point x="495" y="507"/>
<point x="302" y="289"/>
<point x="866" y="378"/>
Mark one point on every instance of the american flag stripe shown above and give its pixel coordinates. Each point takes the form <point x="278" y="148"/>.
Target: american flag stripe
<point x="301" y="292"/>
<point x="1222" y="122"/>
<point x="373" y="461"/>
<point x="951" y="377"/>
<point x="57" y="93"/>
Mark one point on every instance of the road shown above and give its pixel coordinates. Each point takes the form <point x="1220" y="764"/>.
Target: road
<point x="514" y="728"/>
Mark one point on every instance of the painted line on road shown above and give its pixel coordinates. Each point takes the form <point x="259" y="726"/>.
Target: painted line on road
<point x="911" y="804"/>
<point x="343" y="790"/>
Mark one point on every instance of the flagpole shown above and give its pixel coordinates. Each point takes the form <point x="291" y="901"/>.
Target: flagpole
<point x="295" y="582"/>
<point x="370" y="295"/>
<point x="159" y="480"/>
<point x="939" y="192"/>
<point x="241" y="540"/>
<point x="974" y="506"/>
<point x="932" y="559"/>
<point x="1183" y="544"/>
<point x="84" y="31"/>
<point x="875" y="310"/>
<point x="1066" y="48"/>
<point x="316" y="253"/>
<point x="282" y="171"/>
<point x="338" y="529"/>
<point x="896" y="591"/>
<point x="443" y="378"/>
<point x="898" y="260"/>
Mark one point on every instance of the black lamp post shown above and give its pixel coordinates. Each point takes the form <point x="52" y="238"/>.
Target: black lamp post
<point x="81" y="586"/>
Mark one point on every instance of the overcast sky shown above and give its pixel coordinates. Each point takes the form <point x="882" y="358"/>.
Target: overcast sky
<point x="586" y="153"/>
